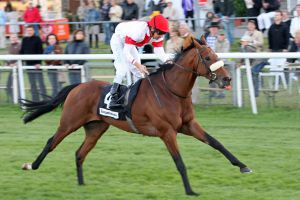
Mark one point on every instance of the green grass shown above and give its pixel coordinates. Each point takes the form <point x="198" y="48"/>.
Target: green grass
<point x="130" y="166"/>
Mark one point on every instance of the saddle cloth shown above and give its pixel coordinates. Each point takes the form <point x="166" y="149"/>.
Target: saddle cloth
<point x="126" y="98"/>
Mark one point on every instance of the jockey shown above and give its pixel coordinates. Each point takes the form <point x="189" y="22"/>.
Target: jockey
<point x="128" y="36"/>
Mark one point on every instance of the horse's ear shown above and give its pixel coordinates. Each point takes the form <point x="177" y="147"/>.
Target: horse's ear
<point x="187" y="41"/>
<point x="203" y="41"/>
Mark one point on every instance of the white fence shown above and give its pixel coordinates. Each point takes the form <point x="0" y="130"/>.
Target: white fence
<point x="245" y="56"/>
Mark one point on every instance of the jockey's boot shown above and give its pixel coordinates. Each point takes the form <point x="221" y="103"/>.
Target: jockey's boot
<point x="114" y="96"/>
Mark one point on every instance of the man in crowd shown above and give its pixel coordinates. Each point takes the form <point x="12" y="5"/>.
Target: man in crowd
<point x="32" y="44"/>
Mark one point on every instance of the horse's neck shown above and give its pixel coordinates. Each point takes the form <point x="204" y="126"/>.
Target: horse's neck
<point x="179" y="81"/>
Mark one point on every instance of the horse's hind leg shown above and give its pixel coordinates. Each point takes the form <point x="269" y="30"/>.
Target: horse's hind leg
<point x="62" y="131"/>
<point x="93" y="130"/>
<point x="194" y="129"/>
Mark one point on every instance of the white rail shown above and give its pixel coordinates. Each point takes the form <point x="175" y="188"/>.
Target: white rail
<point x="245" y="56"/>
<point x="143" y="56"/>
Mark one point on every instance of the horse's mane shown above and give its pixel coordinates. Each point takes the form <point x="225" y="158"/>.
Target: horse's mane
<point x="178" y="54"/>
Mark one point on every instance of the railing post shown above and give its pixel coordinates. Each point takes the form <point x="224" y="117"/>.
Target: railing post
<point x="83" y="74"/>
<point x="21" y="79"/>
<point x="250" y="86"/>
<point x="239" y="87"/>
<point x="15" y="84"/>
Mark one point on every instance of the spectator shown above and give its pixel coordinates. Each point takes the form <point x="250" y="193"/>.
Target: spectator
<point x="264" y="19"/>
<point x="115" y="14"/>
<point x="32" y="15"/>
<point x="278" y="34"/>
<point x="13" y="48"/>
<point x="295" y="23"/>
<point x="208" y="20"/>
<point x="295" y="47"/>
<point x="76" y="46"/>
<point x="257" y="37"/>
<point x="225" y="8"/>
<point x="93" y="15"/>
<point x="175" y="42"/>
<point x="2" y="28"/>
<point x="104" y="11"/>
<point x="258" y="64"/>
<point x="154" y="5"/>
<point x="170" y="12"/>
<point x="81" y="13"/>
<point x="222" y="45"/>
<point x="32" y="44"/>
<point x="253" y="8"/>
<point x="70" y="17"/>
<point x="188" y="7"/>
<point x="253" y="41"/>
<point x="184" y="30"/>
<point x="149" y="63"/>
<point x="286" y="19"/>
<point x="130" y="10"/>
<point x="212" y="36"/>
<point x="53" y="48"/>
<point x="12" y="17"/>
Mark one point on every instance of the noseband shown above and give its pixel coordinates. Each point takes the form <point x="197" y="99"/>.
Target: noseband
<point x="212" y="75"/>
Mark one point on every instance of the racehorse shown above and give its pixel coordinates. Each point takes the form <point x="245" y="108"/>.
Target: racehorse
<point x="162" y="108"/>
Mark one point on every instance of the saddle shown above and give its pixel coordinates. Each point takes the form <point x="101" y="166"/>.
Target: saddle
<point x="127" y="97"/>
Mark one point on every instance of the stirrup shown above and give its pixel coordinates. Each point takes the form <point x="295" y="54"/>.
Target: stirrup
<point x="114" y="102"/>
<point x="115" y="105"/>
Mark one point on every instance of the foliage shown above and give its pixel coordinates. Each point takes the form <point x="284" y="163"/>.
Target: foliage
<point x="129" y="166"/>
<point x="240" y="8"/>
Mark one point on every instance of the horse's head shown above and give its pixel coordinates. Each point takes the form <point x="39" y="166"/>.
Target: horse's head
<point x="206" y="62"/>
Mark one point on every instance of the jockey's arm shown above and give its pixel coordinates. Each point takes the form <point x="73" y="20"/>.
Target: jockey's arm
<point x="160" y="53"/>
<point x="128" y="49"/>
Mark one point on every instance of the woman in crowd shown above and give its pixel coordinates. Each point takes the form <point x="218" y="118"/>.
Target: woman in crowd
<point x="53" y="48"/>
<point x="115" y="14"/>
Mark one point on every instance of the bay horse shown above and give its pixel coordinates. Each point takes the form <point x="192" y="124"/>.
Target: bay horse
<point x="162" y="108"/>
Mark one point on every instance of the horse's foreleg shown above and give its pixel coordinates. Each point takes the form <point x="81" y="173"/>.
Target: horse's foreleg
<point x="194" y="129"/>
<point x="94" y="131"/>
<point x="171" y="143"/>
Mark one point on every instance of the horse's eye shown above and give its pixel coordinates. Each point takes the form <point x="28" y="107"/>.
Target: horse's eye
<point x="207" y="58"/>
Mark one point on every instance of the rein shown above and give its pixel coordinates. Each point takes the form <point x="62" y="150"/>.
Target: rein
<point x="211" y="74"/>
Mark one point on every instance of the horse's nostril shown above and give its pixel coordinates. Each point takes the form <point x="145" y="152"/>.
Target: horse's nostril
<point x="227" y="79"/>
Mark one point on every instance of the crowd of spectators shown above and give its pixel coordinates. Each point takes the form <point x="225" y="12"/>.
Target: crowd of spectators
<point x="266" y="18"/>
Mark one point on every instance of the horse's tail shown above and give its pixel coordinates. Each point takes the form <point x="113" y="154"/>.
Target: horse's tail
<point x="35" y="109"/>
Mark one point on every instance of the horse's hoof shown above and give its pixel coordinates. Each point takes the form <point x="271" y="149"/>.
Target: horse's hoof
<point x="246" y="170"/>
<point x="27" y="166"/>
<point x="191" y="193"/>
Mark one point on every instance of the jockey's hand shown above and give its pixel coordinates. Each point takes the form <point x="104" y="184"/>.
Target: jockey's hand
<point x="142" y="68"/>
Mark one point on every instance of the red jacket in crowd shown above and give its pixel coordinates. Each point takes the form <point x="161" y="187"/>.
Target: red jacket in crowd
<point x="32" y="15"/>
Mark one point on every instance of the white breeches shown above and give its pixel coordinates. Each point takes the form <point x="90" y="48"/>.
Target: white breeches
<point x="264" y="20"/>
<point x="121" y="64"/>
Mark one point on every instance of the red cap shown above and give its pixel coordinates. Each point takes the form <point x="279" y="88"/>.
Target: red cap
<point x="159" y="22"/>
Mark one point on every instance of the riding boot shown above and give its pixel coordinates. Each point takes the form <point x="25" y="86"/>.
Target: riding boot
<point x="114" y="96"/>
